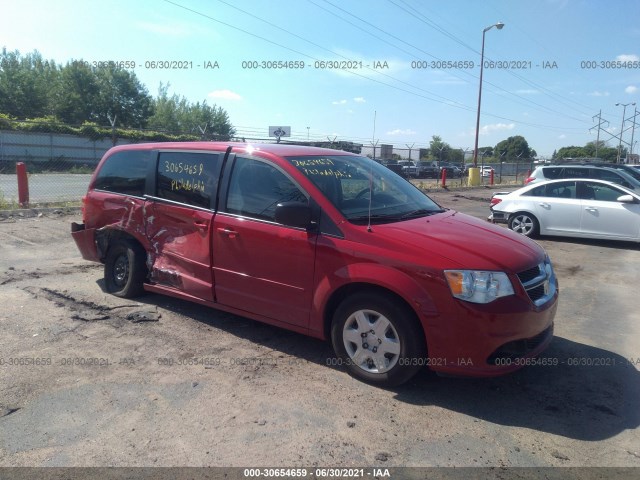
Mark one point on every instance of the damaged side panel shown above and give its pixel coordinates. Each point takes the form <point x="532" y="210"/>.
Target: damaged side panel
<point x="179" y="255"/>
<point x="121" y="215"/>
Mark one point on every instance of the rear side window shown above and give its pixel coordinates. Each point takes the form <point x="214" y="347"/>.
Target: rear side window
<point x="124" y="172"/>
<point x="535" y="192"/>
<point x="551" y="172"/>
<point x="576" y="172"/>
<point x="561" y="190"/>
<point x="188" y="177"/>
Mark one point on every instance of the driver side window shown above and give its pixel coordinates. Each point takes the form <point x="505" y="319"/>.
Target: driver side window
<point x="256" y="188"/>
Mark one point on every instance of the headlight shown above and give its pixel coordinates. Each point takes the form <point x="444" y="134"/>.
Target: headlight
<point x="477" y="286"/>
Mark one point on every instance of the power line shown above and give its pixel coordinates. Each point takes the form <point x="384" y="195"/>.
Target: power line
<point x="429" y="95"/>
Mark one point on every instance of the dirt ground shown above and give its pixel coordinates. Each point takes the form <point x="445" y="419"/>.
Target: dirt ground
<point x="88" y="379"/>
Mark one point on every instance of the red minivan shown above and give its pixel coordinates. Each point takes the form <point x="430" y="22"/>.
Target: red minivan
<point x="325" y="243"/>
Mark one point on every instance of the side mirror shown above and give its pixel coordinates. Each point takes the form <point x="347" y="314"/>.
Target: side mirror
<point x="626" y="199"/>
<point x="294" y="214"/>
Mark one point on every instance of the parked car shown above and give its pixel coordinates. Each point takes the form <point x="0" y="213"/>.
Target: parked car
<point x="453" y="171"/>
<point x="610" y="174"/>
<point x="427" y="170"/>
<point x="325" y="243"/>
<point x="572" y="208"/>
<point x="409" y="168"/>
<point x="394" y="166"/>
<point x="628" y="169"/>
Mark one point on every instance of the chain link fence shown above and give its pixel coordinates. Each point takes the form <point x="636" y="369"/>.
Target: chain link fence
<point x="60" y="159"/>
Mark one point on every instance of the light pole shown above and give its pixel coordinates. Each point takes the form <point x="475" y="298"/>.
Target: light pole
<point x="499" y="26"/>
<point x="308" y="133"/>
<point x="624" y="112"/>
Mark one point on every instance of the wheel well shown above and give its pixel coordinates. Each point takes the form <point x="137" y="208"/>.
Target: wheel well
<point x="353" y="288"/>
<point x="522" y="211"/>
<point x="105" y="238"/>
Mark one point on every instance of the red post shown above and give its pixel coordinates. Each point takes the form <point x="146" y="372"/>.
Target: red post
<point x="491" y="173"/>
<point x="23" y="184"/>
<point x="444" y="178"/>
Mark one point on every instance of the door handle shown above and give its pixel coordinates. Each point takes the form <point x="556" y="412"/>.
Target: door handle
<point x="545" y="205"/>
<point x="591" y="209"/>
<point x="228" y="232"/>
<point x="201" y="225"/>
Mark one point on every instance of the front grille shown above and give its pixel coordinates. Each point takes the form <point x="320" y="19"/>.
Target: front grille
<point x="529" y="275"/>
<point x="539" y="282"/>
<point x="536" y="293"/>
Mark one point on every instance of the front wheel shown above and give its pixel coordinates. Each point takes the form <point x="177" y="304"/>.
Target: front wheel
<point x="378" y="339"/>
<point x="125" y="269"/>
<point x="524" y="223"/>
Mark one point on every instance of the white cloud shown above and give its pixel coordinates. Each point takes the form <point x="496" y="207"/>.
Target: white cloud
<point x="399" y="131"/>
<point x="527" y="92"/>
<point x="598" y="94"/>
<point x="225" y="94"/>
<point x="631" y="89"/>
<point x="339" y="102"/>
<point x="562" y="136"/>
<point x="359" y="100"/>
<point x="496" y="127"/>
<point x="628" y="58"/>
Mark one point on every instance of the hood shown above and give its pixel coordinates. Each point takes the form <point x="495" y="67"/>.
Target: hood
<point x="461" y="241"/>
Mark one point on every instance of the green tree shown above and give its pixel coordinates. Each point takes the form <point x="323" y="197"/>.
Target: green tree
<point x="122" y="98"/>
<point x="76" y="96"/>
<point x="25" y="82"/>
<point x="514" y="148"/>
<point x="176" y="114"/>
<point x="606" y="153"/>
<point x="439" y="149"/>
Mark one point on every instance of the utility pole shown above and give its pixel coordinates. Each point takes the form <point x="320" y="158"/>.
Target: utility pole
<point x="601" y="122"/>
<point x="624" y="109"/>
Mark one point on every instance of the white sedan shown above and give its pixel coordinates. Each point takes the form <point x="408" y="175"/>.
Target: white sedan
<point x="571" y="208"/>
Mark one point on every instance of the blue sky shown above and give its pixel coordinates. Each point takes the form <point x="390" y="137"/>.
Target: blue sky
<point x="551" y="107"/>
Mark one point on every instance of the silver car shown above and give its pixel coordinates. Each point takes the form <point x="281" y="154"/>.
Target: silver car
<point x="613" y="174"/>
<point x="574" y="207"/>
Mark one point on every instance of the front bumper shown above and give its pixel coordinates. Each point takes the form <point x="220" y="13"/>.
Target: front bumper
<point x="495" y="338"/>
<point x="490" y="344"/>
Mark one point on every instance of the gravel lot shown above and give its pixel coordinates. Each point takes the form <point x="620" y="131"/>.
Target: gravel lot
<point x="89" y="379"/>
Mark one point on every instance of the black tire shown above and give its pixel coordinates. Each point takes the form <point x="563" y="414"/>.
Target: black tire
<point x="125" y="269"/>
<point x="403" y="334"/>
<point x="524" y="223"/>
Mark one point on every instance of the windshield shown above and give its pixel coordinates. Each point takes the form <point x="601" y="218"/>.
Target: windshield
<point x="349" y="182"/>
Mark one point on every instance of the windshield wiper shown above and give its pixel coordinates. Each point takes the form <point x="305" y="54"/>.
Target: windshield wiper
<point x="378" y="217"/>
<point x="421" y="212"/>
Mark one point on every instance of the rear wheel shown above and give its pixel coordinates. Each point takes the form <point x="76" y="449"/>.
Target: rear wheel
<point x="378" y="339"/>
<point x="524" y="223"/>
<point x="125" y="269"/>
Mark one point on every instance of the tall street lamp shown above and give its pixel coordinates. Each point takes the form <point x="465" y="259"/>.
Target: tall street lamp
<point x="499" y="26"/>
<point x="624" y="111"/>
